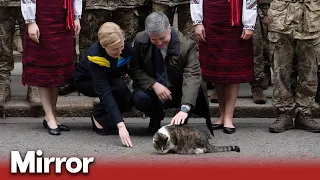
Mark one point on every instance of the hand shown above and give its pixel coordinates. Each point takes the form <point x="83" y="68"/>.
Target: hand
<point x="246" y="34"/>
<point x="124" y="134"/>
<point x="162" y="92"/>
<point x="200" y="32"/>
<point x="265" y="20"/>
<point x="33" y="31"/>
<point x="77" y="27"/>
<point x="179" y="118"/>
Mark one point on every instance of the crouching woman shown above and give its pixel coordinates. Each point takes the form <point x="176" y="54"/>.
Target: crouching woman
<point x="99" y="74"/>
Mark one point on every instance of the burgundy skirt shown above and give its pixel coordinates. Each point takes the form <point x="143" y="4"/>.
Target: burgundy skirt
<point x="224" y="58"/>
<point x="51" y="62"/>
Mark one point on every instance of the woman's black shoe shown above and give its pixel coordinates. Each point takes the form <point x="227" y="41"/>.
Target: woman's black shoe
<point x="217" y="126"/>
<point x="63" y="127"/>
<point x="228" y="130"/>
<point x="55" y="131"/>
<point x="97" y="130"/>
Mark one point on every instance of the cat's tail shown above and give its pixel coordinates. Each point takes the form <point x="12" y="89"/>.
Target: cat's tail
<point x="214" y="149"/>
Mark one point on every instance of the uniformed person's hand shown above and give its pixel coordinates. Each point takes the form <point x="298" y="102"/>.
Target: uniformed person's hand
<point x="33" y="31"/>
<point x="246" y="34"/>
<point x="265" y="20"/>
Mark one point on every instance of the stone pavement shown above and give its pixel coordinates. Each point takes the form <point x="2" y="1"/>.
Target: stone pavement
<point x="73" y="105"/>
<point x="256" y="143"/>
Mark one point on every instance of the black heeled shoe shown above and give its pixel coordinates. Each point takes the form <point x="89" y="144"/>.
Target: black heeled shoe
<point x="51" y="131"/>
<point x="228" y="130"/>
<point x="97" y="130"/>
<point x="63" y="127"/>
<point x="217" y="126"/>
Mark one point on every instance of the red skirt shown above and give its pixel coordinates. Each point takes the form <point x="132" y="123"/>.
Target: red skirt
<point x="224" y="58"/>
<point x="51" y="62"/>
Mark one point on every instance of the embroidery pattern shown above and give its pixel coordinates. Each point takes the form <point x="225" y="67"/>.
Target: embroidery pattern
<point x="251" y="4"/>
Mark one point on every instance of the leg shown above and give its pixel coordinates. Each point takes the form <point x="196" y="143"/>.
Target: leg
<point x="185" y="22"/>
<point x="308" y="52"/>
<point x="143" y="12"/>
<point x="54" y="98"/>
<point x="267" y="63"/>
<point x="91" y="21"/>
<point x="46" y="101"/>
<point x="220" y="88"/>
<point x="128" y="20"/>
<point x="147" y="102"/>
<point x="7" y="27"/>
<point x="167" y="10"/>
<point x="231" y="94"/>
<point x="282" y="52"/>
<point x="317" y="99"/>
<point x="121" y="94"/>
<point x="21" y="23"/>
<point x="86" y="88"/>
<point x="258" y="60"/>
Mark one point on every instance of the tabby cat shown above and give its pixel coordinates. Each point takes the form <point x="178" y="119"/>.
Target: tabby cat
<point x="185" y="139"/>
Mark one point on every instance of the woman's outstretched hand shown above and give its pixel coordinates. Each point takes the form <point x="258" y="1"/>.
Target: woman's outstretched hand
<point x="124" y="135"/>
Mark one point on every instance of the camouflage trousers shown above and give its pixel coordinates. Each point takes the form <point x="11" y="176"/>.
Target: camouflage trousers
<point x="258" y="59"/>
<point x="264" y="31"/>
<point x="9" y="17"/>
<point x="91" y="21"/>
<point x="184" y="17"/>
<point x="261" y="58"/>
<point x="283" y="49"/>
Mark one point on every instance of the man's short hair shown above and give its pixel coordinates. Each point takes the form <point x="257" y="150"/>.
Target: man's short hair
<point x="156" y="22"/>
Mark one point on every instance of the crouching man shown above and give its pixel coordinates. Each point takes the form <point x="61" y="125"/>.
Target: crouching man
<point x="166" y="73"/>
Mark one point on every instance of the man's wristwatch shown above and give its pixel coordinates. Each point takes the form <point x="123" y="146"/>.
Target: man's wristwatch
<point x="184" y="109"/>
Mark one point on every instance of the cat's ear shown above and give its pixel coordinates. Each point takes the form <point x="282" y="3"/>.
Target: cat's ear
<point x="166" y="138"/>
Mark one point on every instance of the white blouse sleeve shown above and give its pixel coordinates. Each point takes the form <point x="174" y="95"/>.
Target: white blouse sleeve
<point x="28" y="9"/>
<point x="249" y="11"/>
<point x="77" y="8"/>
<point x="196" y="10"/>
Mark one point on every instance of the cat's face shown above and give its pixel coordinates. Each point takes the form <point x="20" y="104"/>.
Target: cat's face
<point x="161" y="143"/>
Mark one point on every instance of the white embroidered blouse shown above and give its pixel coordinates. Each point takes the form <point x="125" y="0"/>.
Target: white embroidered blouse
<point x="28" y="9"/>
<point x="249" y="11"/>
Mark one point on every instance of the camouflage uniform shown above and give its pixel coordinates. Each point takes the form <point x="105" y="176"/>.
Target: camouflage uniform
<point x="96" y="12"/>
<point x="294" y="28"/>
<point x="259" y="63"/>
<point x="168" y="7"/>
<point x="10" y="13"/>
<point x="263" y="7"/>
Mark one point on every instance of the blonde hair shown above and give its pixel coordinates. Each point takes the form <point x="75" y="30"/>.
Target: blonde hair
<point x="109" y="34"/>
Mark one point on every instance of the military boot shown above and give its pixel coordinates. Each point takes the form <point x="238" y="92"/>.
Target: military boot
<point x="258" y="95"/>
<point x="266" y="81"/>
<point x="5" y="93"/>
<point x="306" y="122"/>
<point x="282" y="123"/>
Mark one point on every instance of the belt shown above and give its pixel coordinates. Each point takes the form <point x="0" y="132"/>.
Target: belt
<point x="300" y="1"/>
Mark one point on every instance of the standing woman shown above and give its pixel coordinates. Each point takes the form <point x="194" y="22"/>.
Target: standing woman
<point x="48" y="51"/>
<point x="224" y="29"/>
